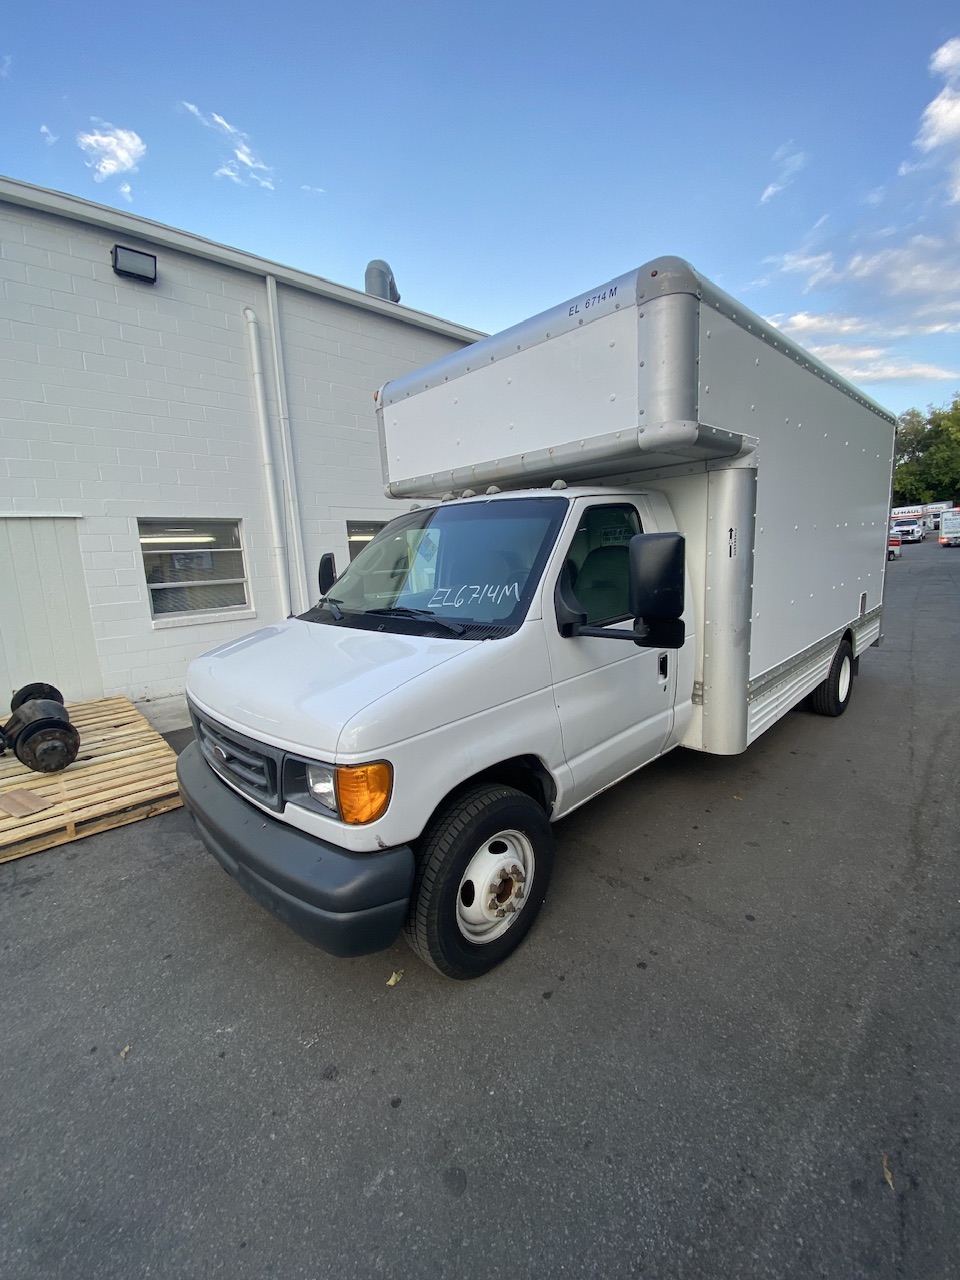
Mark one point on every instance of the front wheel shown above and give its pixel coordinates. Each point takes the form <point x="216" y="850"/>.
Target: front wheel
<point x="482" y="874"/>
<point x="832" y="697"/>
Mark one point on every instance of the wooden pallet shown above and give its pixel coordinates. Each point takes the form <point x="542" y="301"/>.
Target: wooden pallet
<point x="124" y="772"/>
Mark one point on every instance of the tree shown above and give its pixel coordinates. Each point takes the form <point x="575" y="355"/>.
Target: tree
<point x="927" y="463"/>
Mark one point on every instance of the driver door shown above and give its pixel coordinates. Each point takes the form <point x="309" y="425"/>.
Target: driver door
<point x="614" y="699"/>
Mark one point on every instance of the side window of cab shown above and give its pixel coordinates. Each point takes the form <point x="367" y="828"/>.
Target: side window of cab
<point x="598" y="562"/>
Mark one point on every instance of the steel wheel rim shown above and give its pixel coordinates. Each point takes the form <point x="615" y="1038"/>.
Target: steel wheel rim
<point x="843" y="679"/>
<point x="495" y="886"/>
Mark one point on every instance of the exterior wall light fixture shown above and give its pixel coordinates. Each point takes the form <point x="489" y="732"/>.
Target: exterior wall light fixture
<point x="133" y="263"/>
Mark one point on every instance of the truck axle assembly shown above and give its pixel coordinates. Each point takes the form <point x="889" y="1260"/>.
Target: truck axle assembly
<point x="39" y="731"/>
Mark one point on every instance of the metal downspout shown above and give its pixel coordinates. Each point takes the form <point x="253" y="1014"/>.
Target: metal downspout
<point x="266" y="457"/>
<point x="298" y="580"/>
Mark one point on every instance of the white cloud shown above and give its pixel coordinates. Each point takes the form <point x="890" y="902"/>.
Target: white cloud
<point x="48" y="137"/>
<point x="317" y="191"/>
<point x="940" y="308"/>
<point x="819" y="268"/>
<point x="228" y="171"/>
<point x="879" y="364"/>
<point x="232" y="169"/>
<point x="111" y="151"/>
<point x="946" y="61"/>
<point x="939" y="130"/>
<point x="803" y="323"/>
<point x="243" y="168"/>
<point x="941" y="121"/>
<point x="906" y="296"/>
<point x="6" y="62"/>
<point x="222" y="124"/>
<point x="246" y="156"/>
<point x="871" y="360"/>
<point x="924" y="266"/>
<point x="789" y="162"/>
<point x="126" y="191"/>
<point x="805" y="326"/>
<point x="942" y="327"/>
<point x="877" y="297"/>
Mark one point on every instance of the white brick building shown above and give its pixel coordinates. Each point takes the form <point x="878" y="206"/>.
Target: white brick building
<point x="174" y="456"/>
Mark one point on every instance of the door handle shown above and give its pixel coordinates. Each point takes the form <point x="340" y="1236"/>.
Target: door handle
<point x="663" y="666"/>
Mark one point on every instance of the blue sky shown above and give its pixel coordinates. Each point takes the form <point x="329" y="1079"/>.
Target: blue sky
<point x="506" y="156"/>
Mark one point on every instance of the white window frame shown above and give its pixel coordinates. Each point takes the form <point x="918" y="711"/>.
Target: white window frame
<point x="191" y="530"/>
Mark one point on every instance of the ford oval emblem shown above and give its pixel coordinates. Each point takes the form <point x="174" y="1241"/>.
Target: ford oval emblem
<point x="220" y="754"/>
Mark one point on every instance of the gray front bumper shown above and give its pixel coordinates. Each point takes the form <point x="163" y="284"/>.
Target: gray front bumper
<point x="348" y="904"/>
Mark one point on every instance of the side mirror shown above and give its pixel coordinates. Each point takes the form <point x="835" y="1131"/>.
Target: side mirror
<point x="328" y="572"/>
<point x="656" y="569"/>
<point x="656" y="589"/>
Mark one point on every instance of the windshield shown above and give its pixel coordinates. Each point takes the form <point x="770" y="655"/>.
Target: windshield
<point x="905" y="524"/>
<point x="466" y="570"/>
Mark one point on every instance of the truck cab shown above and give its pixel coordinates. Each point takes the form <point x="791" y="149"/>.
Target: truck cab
<point x="910" y="529"/>
<point x="530" y="647"/>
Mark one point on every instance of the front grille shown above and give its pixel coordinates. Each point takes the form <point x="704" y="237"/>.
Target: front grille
<point x="252" y="767"/>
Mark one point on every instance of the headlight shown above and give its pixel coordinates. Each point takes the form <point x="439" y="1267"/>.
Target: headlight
<point x="355" y="793"/>
<point x="321" y="785"/>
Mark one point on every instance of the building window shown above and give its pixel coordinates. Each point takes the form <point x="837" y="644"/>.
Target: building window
<point x="193" y="566"/>
<point x="360" y="532"/>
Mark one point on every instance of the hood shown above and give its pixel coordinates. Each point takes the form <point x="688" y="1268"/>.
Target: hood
<point x="297" y="684"/>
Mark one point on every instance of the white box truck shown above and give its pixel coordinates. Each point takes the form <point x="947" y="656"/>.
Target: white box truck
<point x="642" y="520"/>
<point x="950" y="528"/>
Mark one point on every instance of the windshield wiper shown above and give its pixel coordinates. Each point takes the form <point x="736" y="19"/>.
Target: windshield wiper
<point x="399" y="611"/>
<point x="333" y="604"/>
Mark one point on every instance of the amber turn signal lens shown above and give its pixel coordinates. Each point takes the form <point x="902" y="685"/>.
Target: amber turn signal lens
<point x="363" y="791"/>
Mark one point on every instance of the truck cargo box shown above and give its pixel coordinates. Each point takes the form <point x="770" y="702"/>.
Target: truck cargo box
<point x="660" y="380"/>
<point x="654" y="368"/>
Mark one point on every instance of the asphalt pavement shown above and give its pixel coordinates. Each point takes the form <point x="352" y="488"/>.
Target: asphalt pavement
<point x="729" y="1048"/>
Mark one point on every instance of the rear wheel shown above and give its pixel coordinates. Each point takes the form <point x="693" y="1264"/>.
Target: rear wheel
<point x="832" y="697"/>
<point x="482" y="874"/>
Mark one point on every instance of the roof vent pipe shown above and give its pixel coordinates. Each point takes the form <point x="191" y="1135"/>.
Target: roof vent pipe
<point x="379" y="282"/>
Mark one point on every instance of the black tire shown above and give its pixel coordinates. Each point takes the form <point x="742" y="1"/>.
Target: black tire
<point x="506" y="838"/>
<point x="832" y="697"/>
<point x="46" y="692"/>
